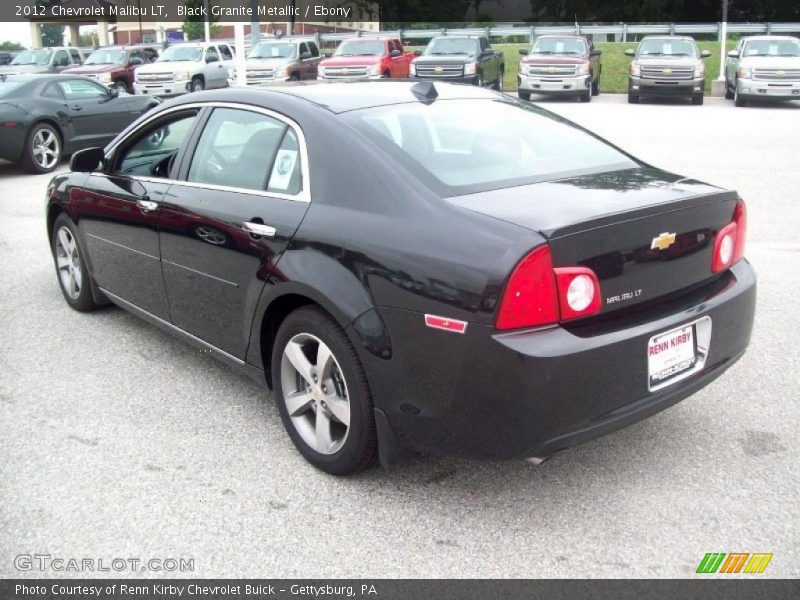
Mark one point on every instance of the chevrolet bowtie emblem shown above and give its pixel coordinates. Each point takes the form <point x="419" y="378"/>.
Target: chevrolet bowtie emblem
<point x="345" y="71"/>
<point x="438" y="69"/>
<point x="551" y="70"/>
<point x="666" y="71"/>
<point x="781" y="73"/>
<point x="662" y="241"/>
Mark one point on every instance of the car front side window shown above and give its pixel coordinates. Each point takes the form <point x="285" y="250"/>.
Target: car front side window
<point x="82" y="89"/>
<point x="151" y="152"/>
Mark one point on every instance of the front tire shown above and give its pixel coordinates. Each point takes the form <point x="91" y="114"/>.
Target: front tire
<point x="633" y="99"/>
<point x="737" y="98"/>
<point x="697" y="100"/>
<point x="728" y="92"/>
<point x="524" y="95"/>
<point x="586" y="97"/>
<point x="42" y="149"/>
<point x="197" y="85"/>
<point x="73" y="276"/>
<point x="322" y="393"/>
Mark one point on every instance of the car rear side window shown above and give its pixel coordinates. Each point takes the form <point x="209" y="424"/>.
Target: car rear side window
<point x="76" y="57"/>
<point x="313" y="49"/>
<point x="61" y="59"/>
<point x="247" y="150"/>
<point x="459" y="146"/>
<point x="226" y="52"/>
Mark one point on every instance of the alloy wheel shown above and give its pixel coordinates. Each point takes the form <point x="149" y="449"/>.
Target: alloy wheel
<point x="46" y="148"/>
<point x="315" y="393"/>
<point x="211" y="235"/>
<point x="68" y="263"/>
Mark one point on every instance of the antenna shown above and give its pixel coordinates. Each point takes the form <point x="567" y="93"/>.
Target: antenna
<point x="425" y="91"/>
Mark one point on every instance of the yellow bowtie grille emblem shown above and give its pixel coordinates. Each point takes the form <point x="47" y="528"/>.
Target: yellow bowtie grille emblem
<point x="438" y="69"/>
<point x="667" y="71"/>
<point x="345" y="71"/>
<point x="781" y="73"/>
<point x="551" y="70"/>
<point x="662" y="241"/>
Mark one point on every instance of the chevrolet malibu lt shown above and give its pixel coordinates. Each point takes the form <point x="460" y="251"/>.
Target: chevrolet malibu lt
<point x="500" y="287"/>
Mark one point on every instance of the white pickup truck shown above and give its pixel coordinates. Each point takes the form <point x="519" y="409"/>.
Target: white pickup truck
<point x="763" y="67"/>
<point x="186" y="68"/>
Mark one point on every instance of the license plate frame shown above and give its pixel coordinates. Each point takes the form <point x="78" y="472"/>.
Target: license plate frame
<point x="669" y="364"/>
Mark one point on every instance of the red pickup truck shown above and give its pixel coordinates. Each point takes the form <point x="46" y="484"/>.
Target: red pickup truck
<point x="367" y="58"/>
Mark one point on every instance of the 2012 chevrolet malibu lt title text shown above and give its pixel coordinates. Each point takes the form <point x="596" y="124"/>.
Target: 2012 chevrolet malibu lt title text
<point x="499" y="287"/>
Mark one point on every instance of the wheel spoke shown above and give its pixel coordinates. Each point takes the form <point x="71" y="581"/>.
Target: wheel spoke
<point x="62" y="262"/>
<point x="299" y="402"/>
<point x="323" y="432"/>
<point x="74" y="288"/>
<point x="66" y="244"/>
<point x="340" y="408"/>
<point x="324" y="361"/>
<point x="294" y="352"/>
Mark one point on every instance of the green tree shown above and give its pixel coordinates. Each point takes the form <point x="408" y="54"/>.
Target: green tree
<point x="11" y="46"/>
<point x="52" y="35"/>
<point x="193" y="27"/>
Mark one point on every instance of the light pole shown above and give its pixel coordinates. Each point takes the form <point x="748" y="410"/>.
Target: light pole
<point x="723" y="37"/>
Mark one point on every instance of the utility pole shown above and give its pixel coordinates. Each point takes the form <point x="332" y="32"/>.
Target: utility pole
<point x="723" y="38"/>
<point x="207" y="24"/>
<point x="255" y="25"/>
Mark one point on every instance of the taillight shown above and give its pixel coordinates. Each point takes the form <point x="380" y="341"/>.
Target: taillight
<point x="530" y="298"/>
<point x="578" y="292"/>
<point x="537" y="294"/>
<point x="729" y="243"/>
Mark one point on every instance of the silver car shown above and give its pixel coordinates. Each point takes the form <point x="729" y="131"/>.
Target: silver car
<point x="667" y="66"/>
<point x="280" y="60"/>
<point x="764" y="67"/>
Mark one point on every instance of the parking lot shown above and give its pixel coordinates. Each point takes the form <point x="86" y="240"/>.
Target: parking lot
<point x="120" y="441"/>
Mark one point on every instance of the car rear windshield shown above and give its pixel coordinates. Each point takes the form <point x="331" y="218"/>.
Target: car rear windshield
<point x="772" y="48"/>
<point x="33" y="57"/>
<point x="451" y="46"/>
<point x="667" y="47"/>
<point x="460" y="146"/>
<point x="565" y="45"/>
<point x="361" y="48"/>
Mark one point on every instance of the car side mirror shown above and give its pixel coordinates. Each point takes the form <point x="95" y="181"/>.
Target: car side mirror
<point x="305" y="55"/>
<point x="395" y="53"/>
<point x="595" y="52"/>
<point x="326" y="54"/>
<point x="630" y="52"/>
<point x="86" y="161"/>
<point x="417" y="52"/>
<point x="113" y="92"/>
<point x="524" y="52"/>
<point x="211" y="59"/>
<point x="135" y="62"/>
<point x="705" y="54"/>
<point x="733" y="54"/>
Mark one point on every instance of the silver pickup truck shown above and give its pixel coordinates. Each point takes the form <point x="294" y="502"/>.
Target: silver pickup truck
<point x="667" y="66"/>
<point x="272" y="61"/>
<point x="764" y="67"/>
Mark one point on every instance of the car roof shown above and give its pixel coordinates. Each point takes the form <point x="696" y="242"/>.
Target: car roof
<point x="340" y="97"/>
<point x="668" y="37"/>
<point x="770" y="37"/>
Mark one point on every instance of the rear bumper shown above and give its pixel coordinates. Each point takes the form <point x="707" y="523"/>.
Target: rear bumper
<point x="550" y="85"/>
<point x="774" y="90"/>
<point x="532" y="393"/>
<point x="657" y="87"/>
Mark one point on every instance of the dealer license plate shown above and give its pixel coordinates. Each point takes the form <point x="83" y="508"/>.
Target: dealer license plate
<point x="670" y="355"/>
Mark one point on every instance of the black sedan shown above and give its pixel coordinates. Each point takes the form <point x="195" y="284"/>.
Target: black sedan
<point x="406" y="276"/>
<point x="45" y="117"/>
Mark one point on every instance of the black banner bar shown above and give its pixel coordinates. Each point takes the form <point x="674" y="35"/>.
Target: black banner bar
<point x="711" y="587"/>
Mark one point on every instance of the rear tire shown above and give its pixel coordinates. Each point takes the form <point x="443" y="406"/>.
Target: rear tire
<point x="499" y="83"/>
<point x="73" y="276"/>
<point x="315" y="427"/>
<point x="633" y="99"/>
<point x="524" y="95"/>
<point x="43" y="149"/>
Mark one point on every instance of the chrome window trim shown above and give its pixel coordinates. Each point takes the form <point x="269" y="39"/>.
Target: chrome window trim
<point x="303" y="196"/>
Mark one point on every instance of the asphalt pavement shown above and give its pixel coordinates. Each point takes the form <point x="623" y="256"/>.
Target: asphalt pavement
<point x="118" y="441"/>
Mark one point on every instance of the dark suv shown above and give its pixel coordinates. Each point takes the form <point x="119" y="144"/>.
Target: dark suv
<point x="114" y="66"/>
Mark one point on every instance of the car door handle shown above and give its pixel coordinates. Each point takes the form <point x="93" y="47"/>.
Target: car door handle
<point x="258" y="229"/>
<point x="76" y="107"/>
<point x="147" y="205"/>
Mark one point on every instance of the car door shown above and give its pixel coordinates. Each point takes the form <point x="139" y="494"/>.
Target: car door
<point x="119" y="211"/>
<point x="216" y="73"/>
<point x="97" y="114"/>
<point x="313" y="62"/>
<point x="488" y="62"/>
<point x="240" y="198"/>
